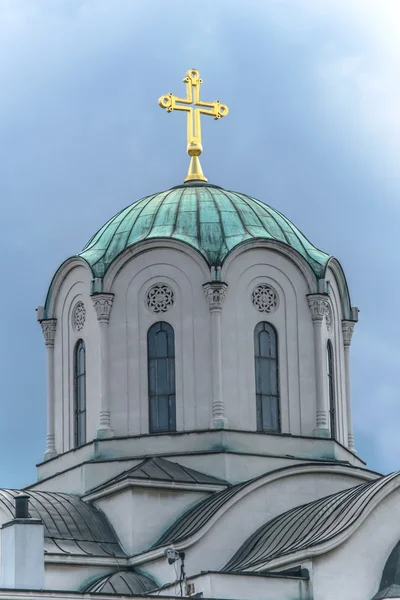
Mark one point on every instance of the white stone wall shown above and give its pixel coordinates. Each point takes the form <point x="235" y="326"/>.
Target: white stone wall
<point x="129" y="323"/>
<point x="75" y="288"/>
<point x="185" y="272"/>
<point x="292" y="321"/>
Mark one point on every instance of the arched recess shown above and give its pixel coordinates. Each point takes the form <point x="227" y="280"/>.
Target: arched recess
<point x="334" y="265"/>
<point x="278" y="247"/>
<point x="144" y="246"/>
<point x="67" y="266"/>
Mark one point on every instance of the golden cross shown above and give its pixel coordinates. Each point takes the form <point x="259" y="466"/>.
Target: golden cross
<point x="194" y="108"/>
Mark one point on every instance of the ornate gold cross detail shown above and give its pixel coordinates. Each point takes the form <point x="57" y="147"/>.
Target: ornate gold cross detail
<point x="194" y="108"/>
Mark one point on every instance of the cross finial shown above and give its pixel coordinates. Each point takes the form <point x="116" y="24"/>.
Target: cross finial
<point x="194" y="108"/>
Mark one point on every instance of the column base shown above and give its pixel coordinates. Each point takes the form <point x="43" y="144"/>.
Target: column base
<point x="50" y="454"/>
<point x="219" y="423"/>
<point x="104" y="433"/>
<point x="322" y="432"/>
<point x="351" y="443"/>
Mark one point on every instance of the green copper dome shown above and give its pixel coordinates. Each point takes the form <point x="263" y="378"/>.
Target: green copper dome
<point x="206" y="217"/>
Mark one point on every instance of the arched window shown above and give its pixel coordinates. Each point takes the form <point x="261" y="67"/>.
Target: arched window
<point x="267" y="385"/>
<point x="161" y="367"/>
<point x="331" y="389"/>
<point x="80" y="393"/>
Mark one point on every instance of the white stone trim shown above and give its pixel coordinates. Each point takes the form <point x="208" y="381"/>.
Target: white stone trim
<point x="215" y="293"/>
<point x="279" y="247"/>
<point x="319" y="307"/>
<point x="165" y="485"/>
<point x="103" y="304"/>
<point x="69" y="265"/>
<point x="49" y="329"/>
<point x="145" y="246"/>
<point x="347" y="331"/>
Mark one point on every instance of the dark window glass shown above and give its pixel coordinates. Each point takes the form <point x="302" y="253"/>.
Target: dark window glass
<point x="267" y="385"/>
<point x="161" y="368"/>
<point x="80" y="393"/>
<point x="331" y="389"/>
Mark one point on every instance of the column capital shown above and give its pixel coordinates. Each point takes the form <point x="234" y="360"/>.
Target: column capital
<point x="49" y="327"/>
<point x="347" y="330"/>
<point x="103" y="304"/>
<point x="319" y="307"/>
<point x="215" y="293"/>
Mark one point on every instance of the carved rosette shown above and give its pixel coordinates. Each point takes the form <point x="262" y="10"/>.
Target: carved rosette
<point x="159" y="298"/>
<point x="49" y="327"/>
<point x="265" y="298"/>
<point x="102" y="304"/>
<point x="347" y="330"/>
<point x="78" y="316"/>
<point x="215" y="294"/>
<point x="320" y="309"/>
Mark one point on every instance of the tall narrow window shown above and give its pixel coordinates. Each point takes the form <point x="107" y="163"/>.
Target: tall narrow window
<point x="267" y="386"/>
<point x="331" y="389"/>
<point x="80" y="393"/>
<point x="161" y="366"/>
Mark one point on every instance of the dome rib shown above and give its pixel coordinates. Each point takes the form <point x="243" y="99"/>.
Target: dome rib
<point x="208" y="218"/>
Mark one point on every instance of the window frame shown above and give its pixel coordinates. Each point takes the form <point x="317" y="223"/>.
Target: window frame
<point x="274" y="397"/>
<point x="165" y="390"/>
<point x="80" y="407"/>
<point x="331" y="389"/>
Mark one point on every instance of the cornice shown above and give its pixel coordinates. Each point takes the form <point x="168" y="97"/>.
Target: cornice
<point x="135" y="483"/>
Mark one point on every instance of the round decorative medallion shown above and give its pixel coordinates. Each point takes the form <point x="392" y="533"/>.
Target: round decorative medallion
<point x="265" y="298"/>
<point x="78" y="316"/>
<point x="159" y="298"/>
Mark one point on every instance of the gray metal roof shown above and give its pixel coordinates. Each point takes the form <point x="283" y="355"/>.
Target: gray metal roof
<point x="390" y="583"/>
<point x="160" y="469"/>
<point x="71" y="526"/>
<point x="306" y="526"/>
<point x="128" y="583"/>
<point x="191" y="521"/>
<point x="195" y="518"/>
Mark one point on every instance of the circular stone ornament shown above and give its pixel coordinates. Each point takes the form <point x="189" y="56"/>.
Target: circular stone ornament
<point x="160" y="298"/>
<point x="265" y="298"/>
<point x="78" y="316"/>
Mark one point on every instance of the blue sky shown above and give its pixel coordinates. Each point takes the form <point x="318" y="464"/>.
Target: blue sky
<point x="313" y="89"/>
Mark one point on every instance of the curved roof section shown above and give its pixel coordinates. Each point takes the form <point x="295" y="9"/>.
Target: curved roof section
<point x="390" y="582"/>
<point x="196" y="517"/>
<point x="208" y="218"/>
<point x="305" y="526"/>
<point x="127" y="583"/>
<point x="71" y="526"/>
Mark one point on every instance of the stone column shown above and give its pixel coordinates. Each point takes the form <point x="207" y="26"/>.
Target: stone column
<point x="319" y="307"/>
<point x="347" y="330"/>
<point x="215" y="293"/>
<point x="103" y="304"/>
<point x="49" y="327"/>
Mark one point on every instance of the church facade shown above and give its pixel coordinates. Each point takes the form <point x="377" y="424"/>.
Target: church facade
<point x="199" y="428"/>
